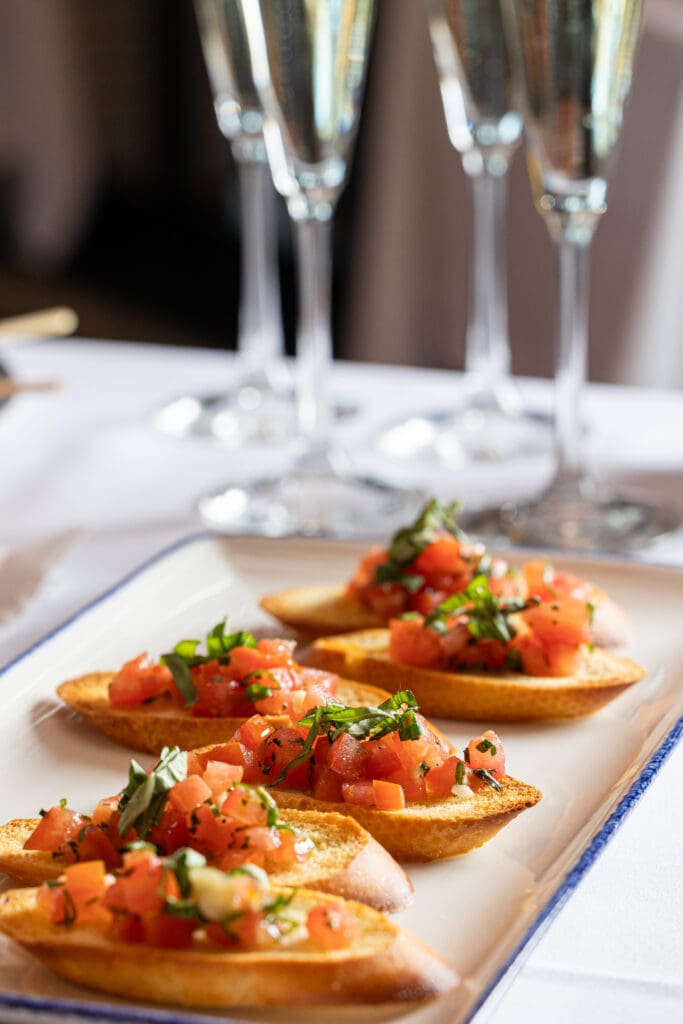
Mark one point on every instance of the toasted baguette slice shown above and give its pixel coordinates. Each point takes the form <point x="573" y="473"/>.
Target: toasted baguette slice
<point x="494" y="696"/>
<point x="432" y="829"/>
<point x="425" y="830"/>
<point x="321" y="611"/>
<point x="345" y="861"/>
<point x="325" y="611"/>
<point x="161" y="723"/>
<point x="384" y="964"/>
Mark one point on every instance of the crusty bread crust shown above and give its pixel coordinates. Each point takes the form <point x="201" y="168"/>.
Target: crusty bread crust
<point x="346" y="860"/>
<point x="383" y="965"/>
<point x="149" y="727"/>
<point x="431" y="829"/>
<point x="321" y="611"/>
<point x="490" y="697"/>
<point x="325" y="611"/>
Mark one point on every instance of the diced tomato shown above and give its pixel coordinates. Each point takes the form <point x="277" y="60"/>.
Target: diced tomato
<point x="491" y="757"/>
<point x="85" y="884"/>
<point x="105" y="810"/>
<point x="54" y="829"/>
<point x="327" y="785"/>
<point x="440" y="780"/>
<point x="361" y="793"/>
<point x="279" y="652"/>
<point x="387" y="600"/>
<point x="564" y="621"/>
<point x="544" y="582"/>
<point x="425" y="601"/>
<point x="411" y="643"/>
<point x="140" y="680"/>
<point x="95" y="843"/>
<point x="139" y="889"/>
<point x="252" y="732"/>
<point x="189" y="793"/>
<point x="347" y="757"/>
<point x="532" y="654"/>
<point x="442" y="556"/>
<point x="364" y="575"/>
<point x="211" y="833"/>
<point x="245" y="807"/>
<point x="219" y="693"/>
<point x="126" y="927"/>
<point x="388" y="795"/>
<point x="332" y="926"/>
<point x="381" y="758"/>
<point x="244" y="660"/>
<point x="170" y="834"/>
<point x="563" y="659"/>
<point x="168" y="932"/>
<point x="281" y="749"/>
<point x="220" y="775"/>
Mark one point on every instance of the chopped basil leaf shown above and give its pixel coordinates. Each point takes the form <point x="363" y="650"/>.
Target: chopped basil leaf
<point x="488" y="616"/>
<point x="184" y="656"/>
<point x="460" y="773"/>
<point x="181" y="677"/>
<point x="143" y="800"/>
<point x="434" y="519"/>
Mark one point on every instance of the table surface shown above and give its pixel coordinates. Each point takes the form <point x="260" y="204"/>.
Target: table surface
<point x="87" y="456"/>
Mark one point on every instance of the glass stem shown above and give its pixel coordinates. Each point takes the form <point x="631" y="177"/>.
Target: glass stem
<point x="571" y="358"/>
<point x="314" y="337"/>
<point x="488" y="349"/>
<point x="260" y="337"/>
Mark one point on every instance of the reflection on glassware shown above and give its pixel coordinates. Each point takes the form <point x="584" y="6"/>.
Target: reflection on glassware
<point x="485" y="127"/>
<point x="260" y="405"/>
<point x="574" y="63"/>
<point x="308" y="60"/>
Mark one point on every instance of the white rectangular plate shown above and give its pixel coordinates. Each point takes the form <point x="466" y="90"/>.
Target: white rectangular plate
<point x="478" y="911"/>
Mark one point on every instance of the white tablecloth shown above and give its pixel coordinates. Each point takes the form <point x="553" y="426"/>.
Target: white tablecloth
<point x="87" y="456"/>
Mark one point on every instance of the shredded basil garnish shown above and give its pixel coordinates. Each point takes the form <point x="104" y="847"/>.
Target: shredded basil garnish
<point x="184" y="656"/>
<point x="397" y="714"/>
<point x="142" y="801"/>
<point x="488" y="616"/>
<point x="406" y="544"/>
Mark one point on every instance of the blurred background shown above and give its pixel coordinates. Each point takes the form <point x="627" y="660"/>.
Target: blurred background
<point x="118" y="197"/>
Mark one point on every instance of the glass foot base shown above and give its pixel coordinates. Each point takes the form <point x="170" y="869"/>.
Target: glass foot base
<point x="312" y="505"/>
<point x="247" y="416"/>
<point x="476" y="434"/>
<point x="581" y="517"/>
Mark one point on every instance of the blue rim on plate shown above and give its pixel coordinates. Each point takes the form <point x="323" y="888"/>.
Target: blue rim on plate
<point x="88" y="1011"/>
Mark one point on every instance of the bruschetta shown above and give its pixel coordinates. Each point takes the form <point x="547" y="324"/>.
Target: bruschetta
<point x="424" y="564"/>
<point x="208" y="808"/>
<point x="188" y="699"/>
<point x="483" y="657"/>
<point x="389" y="769"/>
<point x="180" y="932"/>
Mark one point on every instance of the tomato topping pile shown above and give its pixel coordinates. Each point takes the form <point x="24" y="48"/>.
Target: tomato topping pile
<point x="477" y="631"/>
<point x="206" y="807"/>
<point x="371" y="757"/>
<point x="429" y="561"/>
<point x="179" y="901"/>
<point x="237" y="677"/>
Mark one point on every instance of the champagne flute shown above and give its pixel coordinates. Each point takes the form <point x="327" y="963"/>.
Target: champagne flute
<point x="260" y="405"/>
<point x="485" y="127"/>
<point x="308" y="60"/>
<point x="574" y="61"/>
